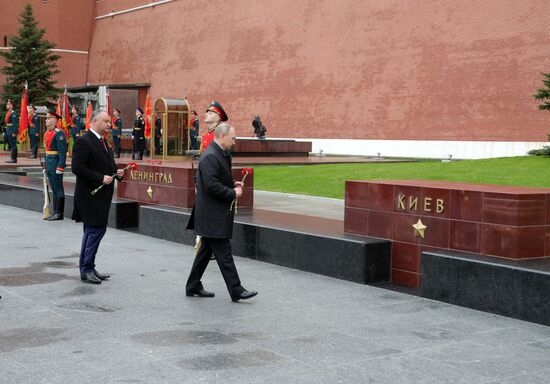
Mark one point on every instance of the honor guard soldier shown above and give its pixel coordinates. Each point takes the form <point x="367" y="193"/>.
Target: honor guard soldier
<point x="12" y="130"/>
<point x="138" y="135"/>
<point x="194" y="130"/>
<point x="158" y="134"/>
<point x="56" y="146"/>
<point x="214" y="117"/>
<point x="34" y="131"/>
<point x="116" y="131"/>
<point x="76" y="124"/>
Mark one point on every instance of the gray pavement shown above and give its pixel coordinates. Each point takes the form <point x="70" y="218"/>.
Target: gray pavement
<point x="304" y="205"/>
<point x="302" y="328"/>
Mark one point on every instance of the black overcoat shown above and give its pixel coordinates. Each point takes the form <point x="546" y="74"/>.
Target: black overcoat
<point x="213" y="213"/>
<point x="90" y="163"/>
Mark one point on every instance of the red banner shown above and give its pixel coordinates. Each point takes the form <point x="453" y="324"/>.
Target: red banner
<point x="23" y="118"/>
<point x="66" y="116"/>
<point x="148" y="118"/>
<point x="58" y="111"/>
<point x="88" y="115"/>
<point x="109" y="103"/>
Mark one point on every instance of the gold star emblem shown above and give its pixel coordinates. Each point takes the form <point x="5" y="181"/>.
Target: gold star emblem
<point x="419" y="229"/>
<point x="150" y="193"/>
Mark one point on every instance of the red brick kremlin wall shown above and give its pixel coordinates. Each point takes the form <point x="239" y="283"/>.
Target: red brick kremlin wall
<point x="385" y="69"/>
<point x="68" y="24"/>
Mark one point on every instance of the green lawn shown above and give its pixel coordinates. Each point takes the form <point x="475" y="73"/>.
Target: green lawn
<point x="328" y="179"/>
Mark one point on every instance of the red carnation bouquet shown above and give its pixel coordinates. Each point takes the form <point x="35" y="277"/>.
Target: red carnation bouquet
<point x="245" y="172"/>
<point x="131" y="165"/>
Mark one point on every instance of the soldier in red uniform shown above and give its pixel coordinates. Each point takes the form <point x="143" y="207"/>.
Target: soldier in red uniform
<point x="214" y="116"/>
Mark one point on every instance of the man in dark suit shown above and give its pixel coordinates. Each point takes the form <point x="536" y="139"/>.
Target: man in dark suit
<point x="213" y="214"/>
<point x="94" y="166"/>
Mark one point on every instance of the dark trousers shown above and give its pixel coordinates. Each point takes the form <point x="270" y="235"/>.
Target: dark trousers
<point x="56" y="183"/>
<point x="139" y="147"/>
<point x="194" y="144"/>
<point x="157" y="145"/>
<point x="12" y="141"/>
<point x="116" y="141"/>
<point x="90" y="243"/>
<point x="34" y="145"/>
<point x="222" y="251"/>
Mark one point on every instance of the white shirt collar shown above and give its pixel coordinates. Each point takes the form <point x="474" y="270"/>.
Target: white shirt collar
<point x="96" y="134"/>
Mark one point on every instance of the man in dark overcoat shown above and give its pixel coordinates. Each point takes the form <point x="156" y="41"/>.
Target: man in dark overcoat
<point x="94" y="166"/>
<point x="213" y="214"/>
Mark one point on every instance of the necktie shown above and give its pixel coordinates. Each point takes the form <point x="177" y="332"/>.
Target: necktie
<point x="104" y="145"/>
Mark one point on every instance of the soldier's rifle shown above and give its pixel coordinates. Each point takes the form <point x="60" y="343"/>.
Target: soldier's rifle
<point x="46" y="207"/>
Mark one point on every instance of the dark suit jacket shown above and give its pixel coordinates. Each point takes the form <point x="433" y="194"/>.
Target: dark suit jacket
<point x="212" y="215"/>
<point x="90" y="163"/>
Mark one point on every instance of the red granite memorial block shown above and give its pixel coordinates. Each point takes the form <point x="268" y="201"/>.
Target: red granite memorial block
<point x="407" y="198"/>
<point x="380" y="224"/>
<point x="465" y="236"/>
<point x="355" y="221"/>
<point x="433" y="202"/>
<point x="512" y="211"/>
<point x="402" y="228"/>
<point x="407" y="278"/>
<point x="356" y="194"/>
<point x="271" y="147"/>
<point x="380" y="197"/>
<point x="405" y="256"/>
<point x="172" y="184"/>
<point x="438" y="232"/>
<point x="466" y="205"/>
<point x="513" y="242"/>
<point x="500" y="221"/>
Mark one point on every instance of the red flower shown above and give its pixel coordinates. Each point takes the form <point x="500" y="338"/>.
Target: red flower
<point x="246" y="171"/>
<point x="132" y="165"/>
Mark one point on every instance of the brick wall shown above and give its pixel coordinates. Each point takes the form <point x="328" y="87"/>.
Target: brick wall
<point x="382" y="69"/>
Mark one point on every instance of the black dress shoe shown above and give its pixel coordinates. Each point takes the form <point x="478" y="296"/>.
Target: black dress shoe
<point x="101" y="276"/>
<point x="90" y="277"/>
<point x="244" y="296"/>
<point x="200" y="293"/>
<point x="56" y="216"/>
<point x="11" y="161"/>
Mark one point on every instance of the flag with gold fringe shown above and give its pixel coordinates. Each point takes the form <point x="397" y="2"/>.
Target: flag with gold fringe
<point x="23" y="117"/>
<point x="88" y="115"/>
<point x="148" y="118"/>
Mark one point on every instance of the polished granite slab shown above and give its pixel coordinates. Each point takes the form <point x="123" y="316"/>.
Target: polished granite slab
<point x="492" y="220"/>
<point x="516" y="289"/>
<point x="301" y="242"/>
<point x="27" y="193"/>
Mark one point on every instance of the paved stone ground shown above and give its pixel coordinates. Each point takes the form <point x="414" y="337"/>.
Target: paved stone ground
<point x="301" y="328"/>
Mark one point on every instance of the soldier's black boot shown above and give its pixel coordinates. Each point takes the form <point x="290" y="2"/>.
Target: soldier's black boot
<point x="54" y="209"/>
<point x="60" y="211"/>
<point x="13" y="156"/>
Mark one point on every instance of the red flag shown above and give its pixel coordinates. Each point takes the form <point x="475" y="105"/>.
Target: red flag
<point x="108" y="103"/>
<point x="58" y="111"/>
<point x="148" y="118"/>
<point x="24" y="117"/>
<point x="66" y="116"/>
<point x="88" y="115"/>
